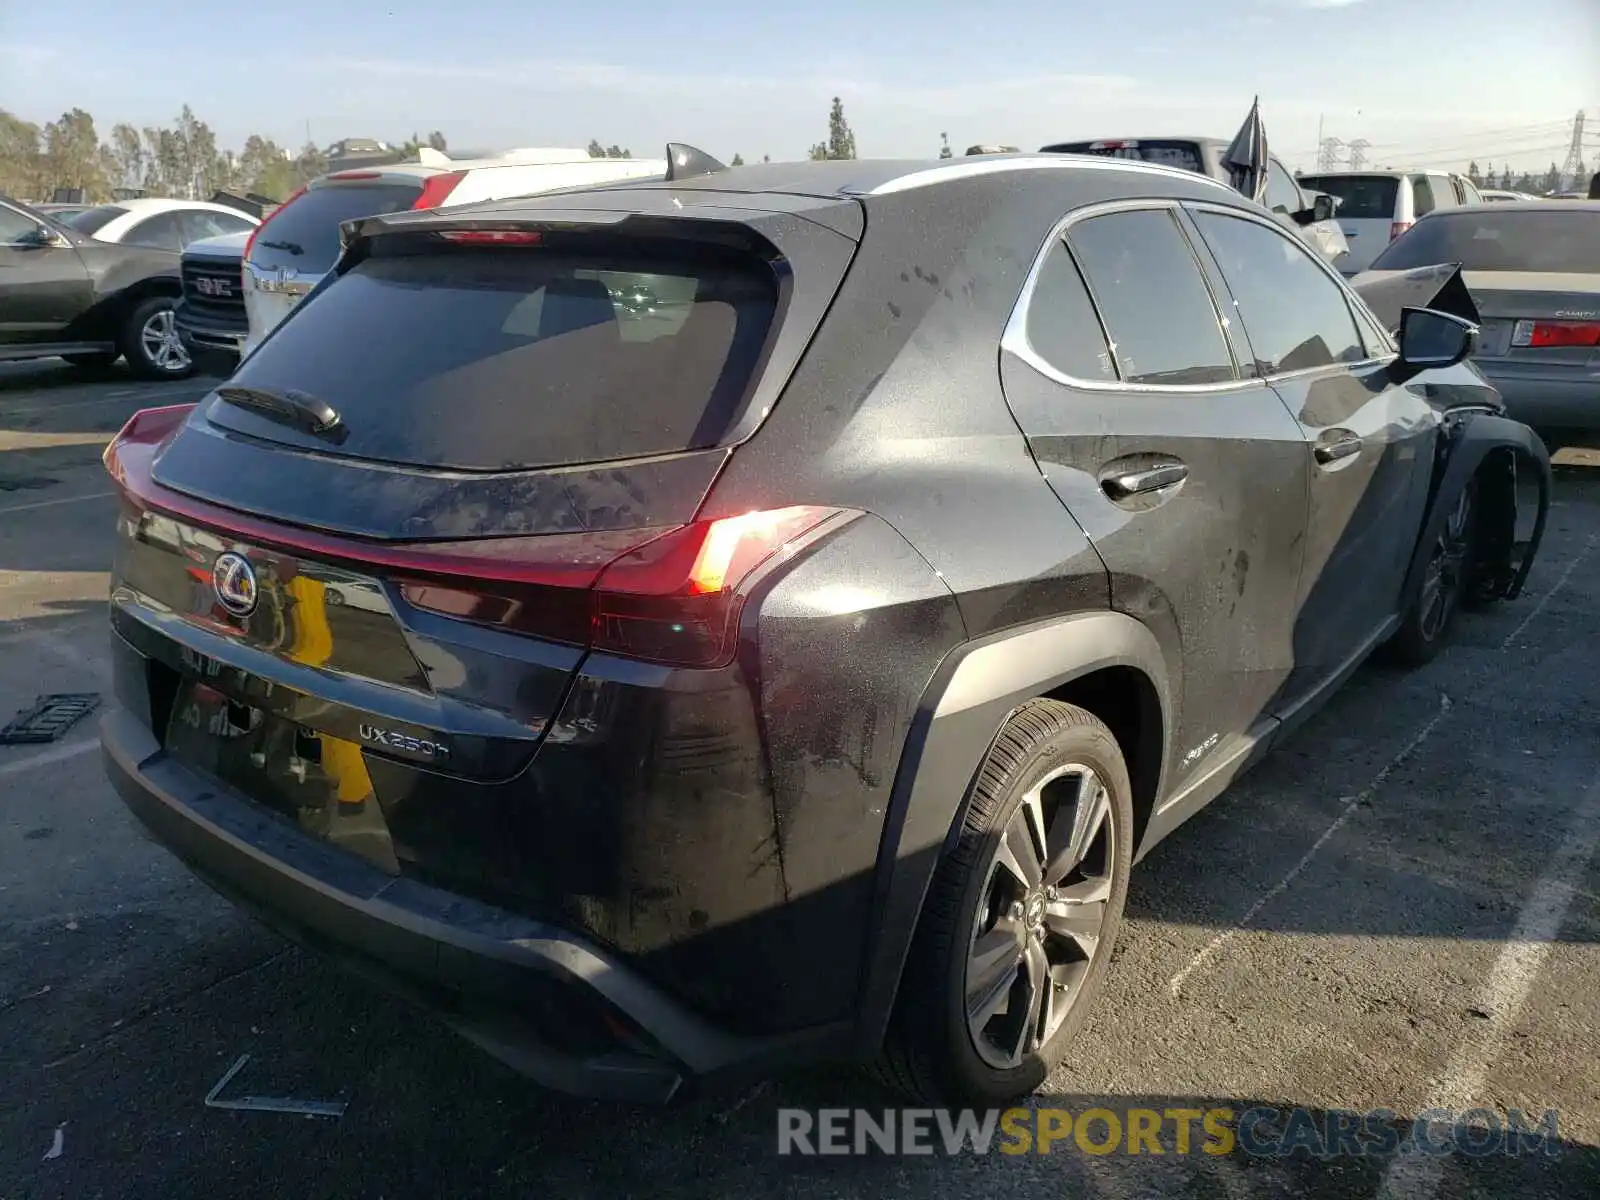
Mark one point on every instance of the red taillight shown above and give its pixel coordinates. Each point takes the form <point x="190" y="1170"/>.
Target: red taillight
<point x="1550" y="335"/>
<point x="492" y="237"/>
<point x="256" y="232"/>
<point x="1399" y="227"/>
<point x="436" y="189"/>
<point x="669" y="596"/>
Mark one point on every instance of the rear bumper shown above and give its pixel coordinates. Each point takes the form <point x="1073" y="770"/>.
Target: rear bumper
<point x="1569" y="400"/>
<point x="530" y="993"/>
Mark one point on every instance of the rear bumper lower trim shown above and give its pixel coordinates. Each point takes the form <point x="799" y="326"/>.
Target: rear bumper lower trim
<point x="405" y="933"/>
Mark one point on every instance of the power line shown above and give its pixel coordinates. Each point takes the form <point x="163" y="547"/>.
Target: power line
<point x="1358" y="153"/>
<point x="1542" y="127"/>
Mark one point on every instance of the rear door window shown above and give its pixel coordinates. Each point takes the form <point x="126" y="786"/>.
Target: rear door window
<point x="303" y="236"/>
<point x="509" y="359"/>
<point x="159" y="232"/>
<point x="201" y="223"/>
<point x="1296" y="316"/>
<point x="1157" y="309"/>
<point x="1364" y="197"/>
<point x="1063" y="328"/>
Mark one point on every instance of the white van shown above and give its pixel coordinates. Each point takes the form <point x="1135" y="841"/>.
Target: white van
<point x="298" y="244"/>
<point x="1378" y="206"/>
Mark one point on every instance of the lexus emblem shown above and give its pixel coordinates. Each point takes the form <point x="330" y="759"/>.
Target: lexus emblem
<point x="235" y="582"/>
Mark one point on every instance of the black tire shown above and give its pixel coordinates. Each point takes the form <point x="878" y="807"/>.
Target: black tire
<point x="932" y="1051"/>
<point x="136" y="345"/>
<point x="94" y="360"/>
<point x="1449" y="585"/>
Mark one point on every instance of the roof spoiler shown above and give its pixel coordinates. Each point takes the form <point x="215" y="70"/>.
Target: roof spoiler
<point x="686" y="162"/>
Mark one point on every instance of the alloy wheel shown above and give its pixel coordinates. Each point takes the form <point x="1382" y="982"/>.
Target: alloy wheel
<point x="1446" y="571"/>
<point x="160" y="342"/>
<point x="1043" y="909"/>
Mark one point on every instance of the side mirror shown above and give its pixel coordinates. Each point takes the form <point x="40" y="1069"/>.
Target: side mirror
<point x="1322" y="208"/>
<point x="1431" y="339"/>
<point x="41" y="236"/>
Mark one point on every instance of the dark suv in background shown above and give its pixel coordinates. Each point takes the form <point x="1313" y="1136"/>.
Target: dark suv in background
<point x="775" y="678"/>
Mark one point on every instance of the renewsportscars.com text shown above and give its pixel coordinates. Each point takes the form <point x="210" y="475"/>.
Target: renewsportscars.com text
<point x="1259" y="1132"/>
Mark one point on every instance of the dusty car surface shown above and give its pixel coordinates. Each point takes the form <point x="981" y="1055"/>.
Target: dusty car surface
<point x="776" y="679"/>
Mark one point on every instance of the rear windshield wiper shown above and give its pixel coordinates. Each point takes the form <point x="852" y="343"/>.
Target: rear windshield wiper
<point x="290" y="407"/>
<point x="287" y="247"/>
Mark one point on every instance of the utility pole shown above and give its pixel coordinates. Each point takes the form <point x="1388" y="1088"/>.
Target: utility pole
<point x="1358" y="153"/>
<point x="1574" y="164"/>
<point x="1328" y="153"/>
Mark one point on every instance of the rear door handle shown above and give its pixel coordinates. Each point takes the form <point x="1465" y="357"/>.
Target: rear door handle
<point x="1333" y="447"/>
<point x="1150" y="479"/>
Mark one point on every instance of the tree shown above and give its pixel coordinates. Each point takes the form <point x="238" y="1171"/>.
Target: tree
<point x="19" y="157"/>
<point x="437" y="142"/>
<point x="596" y="150"/>
<point x="841" y="141"/>
<point x="1552" y="179"/>
<point x="72" y="156"/>
<point x="1474" y="174"/>
<point x="127" y="157"/>
<point x="944" y="146"/>
<point x="766" y="158"/>
<point x="615" y="151"/>
<point x="738" y="160"/>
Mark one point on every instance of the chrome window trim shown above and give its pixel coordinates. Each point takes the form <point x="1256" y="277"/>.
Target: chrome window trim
<point x="1014" y="338"/>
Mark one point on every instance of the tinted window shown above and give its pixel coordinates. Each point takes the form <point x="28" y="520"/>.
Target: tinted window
<point x="1283" y="194"/>
<point x="15" y="225"/>
<point x="159" y="232"/>
<point x="1296" y="316"/>
<point x="1172" y="154"/>
<point x="1366" y="197"/>
<point x="200" y="223"/>
<point x="495" y="360"/>
<point x="1487" y="237"/>
<point x="1147" y="285"/>
<point x="1062" y="326"/>
<point x="304" y="235"/>
<point x="91" y="221"/>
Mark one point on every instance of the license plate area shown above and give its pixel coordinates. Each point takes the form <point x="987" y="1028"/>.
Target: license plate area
<point x="317" y="781"/>
<point x="1494" y="339"/>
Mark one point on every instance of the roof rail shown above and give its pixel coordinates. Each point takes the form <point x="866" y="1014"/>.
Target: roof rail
<point x="686" y="162"/>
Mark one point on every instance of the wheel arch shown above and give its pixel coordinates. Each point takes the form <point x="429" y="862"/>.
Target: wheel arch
<point x="1104" y="661"/>
<point x="104" y="320"/>
<point x="1492" y="450"/>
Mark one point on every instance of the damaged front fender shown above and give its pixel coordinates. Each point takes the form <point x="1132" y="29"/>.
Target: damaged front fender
<point x="1497" y="452"/>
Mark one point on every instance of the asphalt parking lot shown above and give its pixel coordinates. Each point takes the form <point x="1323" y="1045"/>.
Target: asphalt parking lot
<point x="1399" y="910"/>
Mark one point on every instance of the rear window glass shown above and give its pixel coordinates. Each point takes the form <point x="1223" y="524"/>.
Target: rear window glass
<point x="1167" y="153"/>
<point x="304" y="236"/>
<point x="1365" y="197"/>
<point x="91" y="221"/>
<point x="508" y="359"/>
<point x="1485" y="238"/>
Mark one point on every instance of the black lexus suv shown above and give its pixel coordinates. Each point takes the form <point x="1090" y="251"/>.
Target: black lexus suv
<point x="794" y="668"/>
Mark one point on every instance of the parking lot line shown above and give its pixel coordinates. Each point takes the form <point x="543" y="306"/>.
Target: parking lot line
<point x="48" y="757"/>
<point x="1417" y="1176"/>
<point x="1538" y="608"/>
<point x="1212" y="948"/>
<point x="13" y="508"/>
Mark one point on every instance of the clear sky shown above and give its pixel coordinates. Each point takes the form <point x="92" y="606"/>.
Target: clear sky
<point x="1425" y="81"/>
